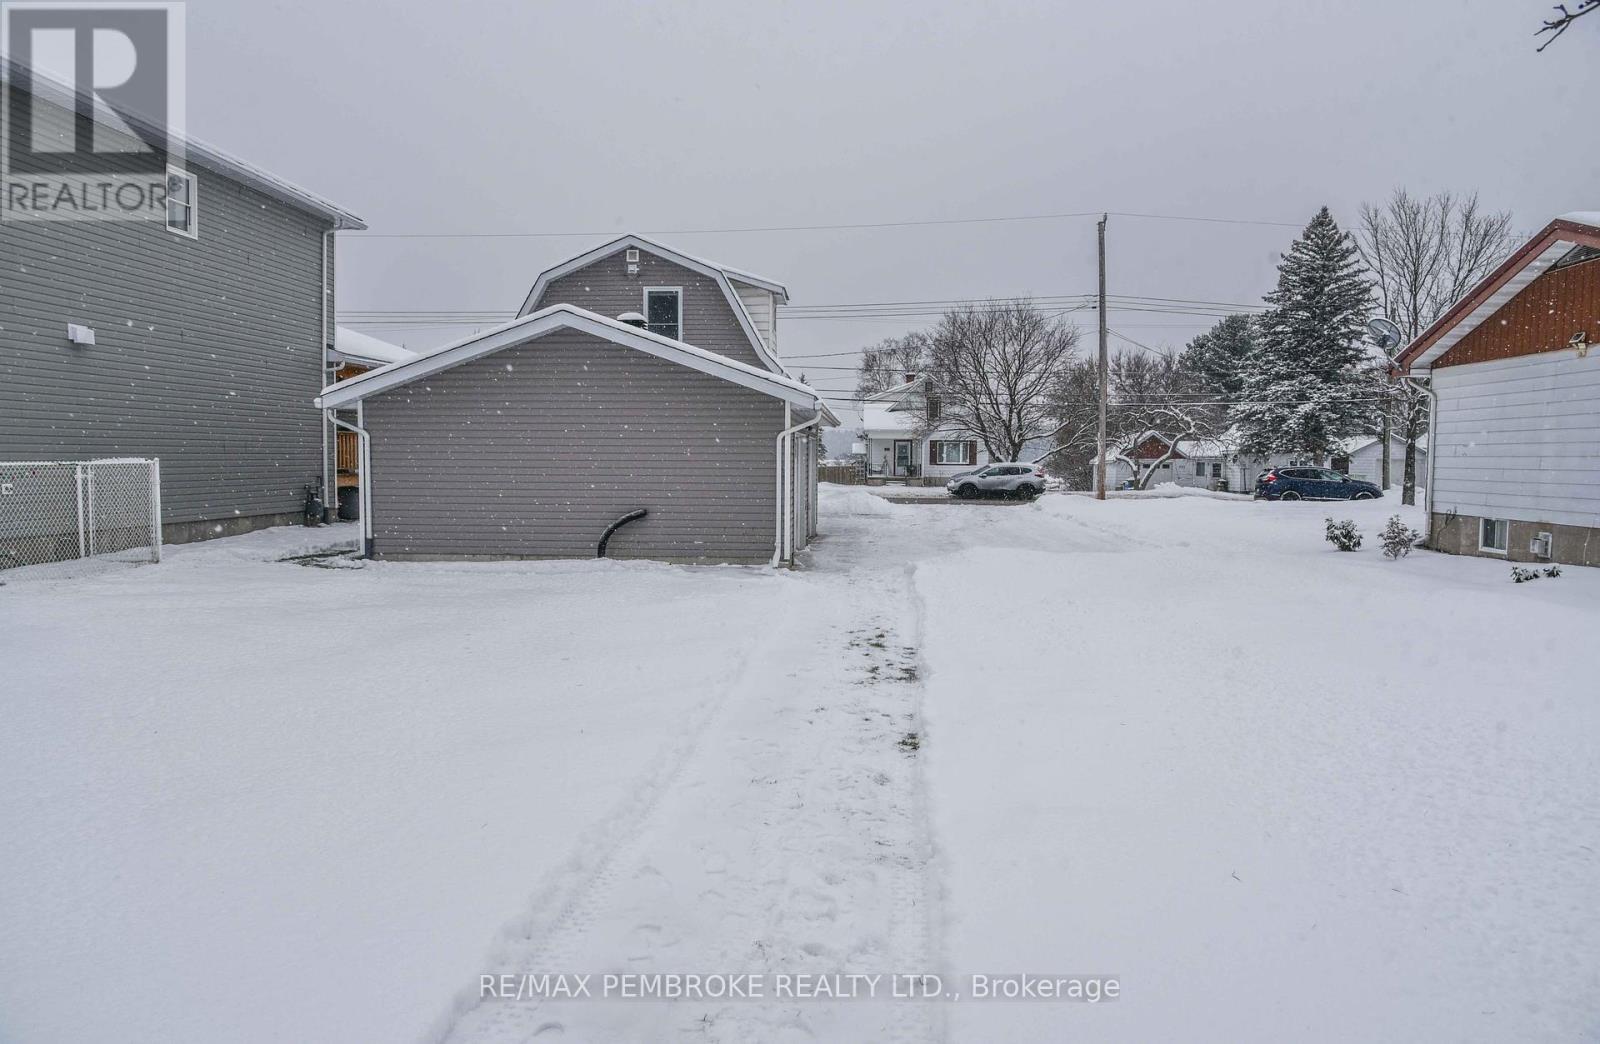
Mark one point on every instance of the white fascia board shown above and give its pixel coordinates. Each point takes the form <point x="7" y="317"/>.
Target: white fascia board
<point x="564" y="316"/>
<point x="695" y="264"/>
<point x="772" y="286"/>
<point x="1494" y="302"/>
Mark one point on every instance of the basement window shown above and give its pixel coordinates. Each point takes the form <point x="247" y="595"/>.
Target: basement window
<point x="663" y="311"/>
<point x="182" y="200"/>
<point x="1492" y="535"/>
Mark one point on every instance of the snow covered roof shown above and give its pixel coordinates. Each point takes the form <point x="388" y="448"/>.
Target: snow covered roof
<point x="883" y="417"/>
<point x="1357" y="443"/>
<point x="51" y="90"/>
<point x="358" y="347"/>
<point x="1187" y="448"/>
<point x="566" y="316"/>
<point x="897" y="393"/>
<point x="711" y="269"/>
<point x="1527" y="263"/>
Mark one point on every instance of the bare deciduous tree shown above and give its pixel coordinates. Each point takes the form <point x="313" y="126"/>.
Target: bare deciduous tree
<point x="991" y="369"/>
<point x="1425" y="254"/>
<point x="1074" y="403"/>
<point x="886" y="363"/>
<point x="1156" y="394"/>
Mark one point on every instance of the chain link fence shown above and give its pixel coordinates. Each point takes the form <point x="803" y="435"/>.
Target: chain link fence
<point x="56" y="510"/>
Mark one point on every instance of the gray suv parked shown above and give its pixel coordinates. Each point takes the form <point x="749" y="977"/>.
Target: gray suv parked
<point x="1008" y="479"/>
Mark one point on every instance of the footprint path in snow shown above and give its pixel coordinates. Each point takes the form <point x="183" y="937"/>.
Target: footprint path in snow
<point x="790" y="839"/>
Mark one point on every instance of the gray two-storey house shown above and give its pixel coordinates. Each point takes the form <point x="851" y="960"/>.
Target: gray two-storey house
<point x="211" y="320"/>
<point x="636" y="378"/>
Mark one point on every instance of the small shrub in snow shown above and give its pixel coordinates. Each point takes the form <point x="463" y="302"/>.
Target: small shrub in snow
<point x="1520" y="575"/>
<point x="1343" y="535"/>
<point x="1398" y="538"/>
<point x="1553" y="571"/>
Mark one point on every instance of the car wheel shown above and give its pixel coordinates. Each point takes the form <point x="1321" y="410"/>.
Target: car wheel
<point x="966" y="489"/>
<point x="1290" y="495"/>
<point x="1028" y="492"/>
<point x="1362" y="496"/>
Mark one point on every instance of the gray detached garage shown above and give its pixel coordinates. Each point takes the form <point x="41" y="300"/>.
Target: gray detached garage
<point x="530" y="440"/>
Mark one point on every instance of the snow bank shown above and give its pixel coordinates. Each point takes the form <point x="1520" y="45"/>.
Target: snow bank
<point x="1169" y="797"/>
<point x="856" y="502"/>
<point x="258" y="801"/>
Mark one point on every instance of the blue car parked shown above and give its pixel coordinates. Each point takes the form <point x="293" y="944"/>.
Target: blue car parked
<point x="1312" y="484"/>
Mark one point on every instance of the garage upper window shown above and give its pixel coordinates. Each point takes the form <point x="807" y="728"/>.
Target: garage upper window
<point x="181" y="202"/>
<point x="663" y="311"/>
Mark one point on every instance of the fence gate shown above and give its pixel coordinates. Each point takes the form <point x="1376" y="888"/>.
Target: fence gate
<point x="55" y="510"/>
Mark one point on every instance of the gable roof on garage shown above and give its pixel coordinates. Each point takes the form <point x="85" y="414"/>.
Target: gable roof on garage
<point x="1559" y="239"/>
<point x="721" y="274"/>
<point x="568" y="317"/>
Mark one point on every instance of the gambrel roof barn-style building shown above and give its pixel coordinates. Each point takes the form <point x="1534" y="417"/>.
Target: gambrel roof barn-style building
<point x="636" y="378"/>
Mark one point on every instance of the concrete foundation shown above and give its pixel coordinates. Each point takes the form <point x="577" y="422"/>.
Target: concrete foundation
<point x="1573" y="545"/>
<point x="189" y="532"/>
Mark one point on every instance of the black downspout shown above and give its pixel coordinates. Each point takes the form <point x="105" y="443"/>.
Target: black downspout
<point x="605" y="538"/>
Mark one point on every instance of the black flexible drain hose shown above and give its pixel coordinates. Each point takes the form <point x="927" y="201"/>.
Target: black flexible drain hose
<point x="605" y="538"/>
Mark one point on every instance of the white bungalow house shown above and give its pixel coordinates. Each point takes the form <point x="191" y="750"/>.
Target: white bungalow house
<point x="1362" y="458"/>
<point x="1201" y="463"/>
<point x="896" y="445"/>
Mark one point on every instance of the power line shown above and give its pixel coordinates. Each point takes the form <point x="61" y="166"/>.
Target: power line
<point x="847" y="226"/>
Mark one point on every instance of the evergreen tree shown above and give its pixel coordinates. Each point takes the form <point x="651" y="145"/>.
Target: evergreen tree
<point x="1220" y="356"/>
<point x="1305" y="389"/>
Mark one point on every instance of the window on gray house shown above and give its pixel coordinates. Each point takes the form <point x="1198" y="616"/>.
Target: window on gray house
<point x="663" y="312"/>
<point x="1200" y="471"/>
<point x="181" y="203"/>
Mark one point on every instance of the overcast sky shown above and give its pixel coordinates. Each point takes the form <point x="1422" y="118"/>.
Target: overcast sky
<point x="511" y="116"/>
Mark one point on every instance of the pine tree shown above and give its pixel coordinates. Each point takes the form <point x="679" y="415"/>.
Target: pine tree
<point x="1305" y="389"/>
<point x="1220" y="356"/>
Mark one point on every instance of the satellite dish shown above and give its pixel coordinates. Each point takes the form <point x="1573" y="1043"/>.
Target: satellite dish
<point x="1385" y="334"/>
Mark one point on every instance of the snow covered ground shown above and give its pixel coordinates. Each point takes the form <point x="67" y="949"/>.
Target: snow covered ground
<point x="1276" y="791"/>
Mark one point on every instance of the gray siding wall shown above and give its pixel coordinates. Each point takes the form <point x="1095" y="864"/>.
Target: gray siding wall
<point x="534" y="450"/>
<point x="206" y="352"/>
<point x="606" y="287"/>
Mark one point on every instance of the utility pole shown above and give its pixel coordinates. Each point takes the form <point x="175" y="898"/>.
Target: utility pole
<point x="1100" y="456"/>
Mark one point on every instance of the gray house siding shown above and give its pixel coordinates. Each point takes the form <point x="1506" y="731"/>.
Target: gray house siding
<point x="606" y="287"/>
<point x="532" y="451"/>
<point x="207" y="352"/>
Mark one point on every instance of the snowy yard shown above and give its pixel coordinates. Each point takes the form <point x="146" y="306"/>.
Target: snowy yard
<point x="1276" y="791"/>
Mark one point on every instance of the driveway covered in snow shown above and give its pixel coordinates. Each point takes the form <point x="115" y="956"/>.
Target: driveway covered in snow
<point x="1277" y="792"/>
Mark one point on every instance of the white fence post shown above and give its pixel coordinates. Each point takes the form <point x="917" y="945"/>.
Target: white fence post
<point x="92" y="525"/>
<point x="83" y="546"/>
<point x="155" y="509"/>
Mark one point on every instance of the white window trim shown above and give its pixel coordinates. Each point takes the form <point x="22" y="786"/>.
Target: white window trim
<point x="193" y="231"/>
<point x="952" y="442"/>
<point x="644" y="301"/>
<point x="1494" y="550"/>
